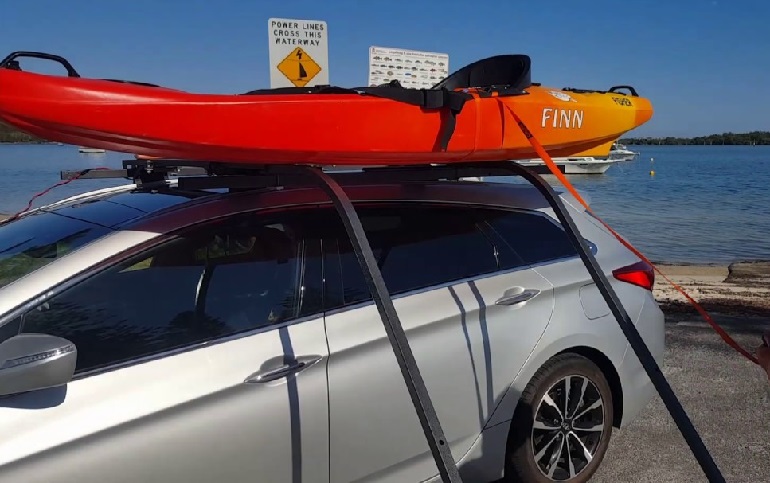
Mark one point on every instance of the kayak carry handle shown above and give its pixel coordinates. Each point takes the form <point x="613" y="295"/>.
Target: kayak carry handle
<point x="631" y="89"/>
<point x="611" y="90"/>
<point x="10" y="61"/>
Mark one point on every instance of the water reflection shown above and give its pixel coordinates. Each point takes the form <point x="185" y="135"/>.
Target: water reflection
<point x="703" y="204"/>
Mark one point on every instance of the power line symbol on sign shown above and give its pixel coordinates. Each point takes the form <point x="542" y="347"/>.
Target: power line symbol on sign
<point x="299" y="67"/>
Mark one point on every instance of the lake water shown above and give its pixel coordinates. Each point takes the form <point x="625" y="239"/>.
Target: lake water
<point x="705" y="204"/>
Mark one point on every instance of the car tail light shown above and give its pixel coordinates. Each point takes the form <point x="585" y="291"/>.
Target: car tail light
<point x="640" y="274"/>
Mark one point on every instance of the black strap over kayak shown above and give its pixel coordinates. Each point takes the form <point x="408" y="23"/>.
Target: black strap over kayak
<point x="504" y="74"/>
<point x="430" y="99"/>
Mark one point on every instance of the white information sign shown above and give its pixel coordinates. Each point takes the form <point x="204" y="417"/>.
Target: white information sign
<point x="299" y="52"/>
<point x="412" y="68"/>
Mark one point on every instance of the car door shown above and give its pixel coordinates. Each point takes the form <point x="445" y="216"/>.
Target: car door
<point x="517" y="303"/>
<point x="200" y="360"/>
<point x="442" y="270"/>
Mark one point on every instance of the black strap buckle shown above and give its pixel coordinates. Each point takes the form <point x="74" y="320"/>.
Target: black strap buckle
<point x="435" y="99"/>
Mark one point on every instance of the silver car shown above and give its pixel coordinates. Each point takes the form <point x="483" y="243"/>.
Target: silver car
<point x="230" y="336"/>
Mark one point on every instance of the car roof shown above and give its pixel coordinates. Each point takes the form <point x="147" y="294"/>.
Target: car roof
<point x="129" y="205"/>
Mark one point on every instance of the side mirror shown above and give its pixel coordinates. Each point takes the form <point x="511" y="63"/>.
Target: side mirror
<point x="35" y="361"/>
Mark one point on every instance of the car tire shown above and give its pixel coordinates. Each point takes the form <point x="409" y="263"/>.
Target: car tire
<point x="536" y="451"/>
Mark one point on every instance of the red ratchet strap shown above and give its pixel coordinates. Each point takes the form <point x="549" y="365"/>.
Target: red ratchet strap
<point x="560" y="176"/>
<point x="38" y="195"/>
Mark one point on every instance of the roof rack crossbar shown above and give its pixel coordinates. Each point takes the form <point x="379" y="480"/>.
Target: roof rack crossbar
<point x="130" y="172"/>
<point x="280" y="177"/>
<point x="201" y="175"/>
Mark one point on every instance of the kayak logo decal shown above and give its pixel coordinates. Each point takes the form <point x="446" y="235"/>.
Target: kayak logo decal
<point x="299" y="67"/>
<point x="622" y="101"/>
<point x="562" y="118"/>
<point x="562" y="96"/>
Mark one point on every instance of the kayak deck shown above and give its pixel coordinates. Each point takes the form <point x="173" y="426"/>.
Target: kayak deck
<point x="470" y="115"/>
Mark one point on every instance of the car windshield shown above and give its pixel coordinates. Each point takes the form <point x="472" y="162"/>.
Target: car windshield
<point x="38" y="239"/>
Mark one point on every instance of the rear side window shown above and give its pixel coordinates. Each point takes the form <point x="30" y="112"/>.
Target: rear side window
<point x="38" y="239"/>
<point x="415" y="247"/>
<point x="532" y="237"/>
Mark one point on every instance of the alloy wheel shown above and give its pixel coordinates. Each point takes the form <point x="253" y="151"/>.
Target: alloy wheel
<point x="568" y="427"/>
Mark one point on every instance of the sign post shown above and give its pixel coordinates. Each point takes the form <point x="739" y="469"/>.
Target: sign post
<point x="299" y="52"/>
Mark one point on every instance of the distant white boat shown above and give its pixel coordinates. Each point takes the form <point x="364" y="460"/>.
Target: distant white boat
<point x="576" y="165"/>
<point x="84" y="149"/>
<point x="619" y="152"/>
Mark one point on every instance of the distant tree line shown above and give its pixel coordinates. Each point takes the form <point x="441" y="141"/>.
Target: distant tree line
<point x="12" y="135"/>
<point x="728" y="138"/>
<point x="9" y="134"/>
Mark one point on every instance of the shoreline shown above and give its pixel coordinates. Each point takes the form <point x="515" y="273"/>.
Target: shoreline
<point x="740" y="289"/>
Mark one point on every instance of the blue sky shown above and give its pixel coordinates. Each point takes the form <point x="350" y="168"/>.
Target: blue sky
<point x="704" y="64"/>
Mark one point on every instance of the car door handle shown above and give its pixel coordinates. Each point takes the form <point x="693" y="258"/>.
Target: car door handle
<point x="292" y="367"/>
<point x="513" y="296"/>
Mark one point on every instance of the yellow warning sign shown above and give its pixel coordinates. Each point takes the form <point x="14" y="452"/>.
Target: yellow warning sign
<point x="299" y="67"/>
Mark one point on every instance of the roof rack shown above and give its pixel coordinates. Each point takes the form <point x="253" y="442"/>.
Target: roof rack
<point x="197" y="175"/>
<point x="207" y="175"/>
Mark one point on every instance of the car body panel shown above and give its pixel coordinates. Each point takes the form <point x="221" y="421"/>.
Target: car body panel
<point x="189" y="417"/>
<point x="371" y="408"/>
<point x="638" y="389"/>
<point x="485" y="460"/>
<point x="476" y="358"/>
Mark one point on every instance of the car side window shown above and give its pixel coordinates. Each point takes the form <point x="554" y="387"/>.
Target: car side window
<point x="416" y="246"/>
<point x="214" y="281"/>
<point x="533" y="238"/>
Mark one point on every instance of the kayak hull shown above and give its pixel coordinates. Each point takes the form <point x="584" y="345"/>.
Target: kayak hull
<point x="323" y="129"/>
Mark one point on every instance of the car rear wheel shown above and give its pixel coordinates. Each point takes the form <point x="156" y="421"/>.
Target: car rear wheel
<point x="562" y="425"/>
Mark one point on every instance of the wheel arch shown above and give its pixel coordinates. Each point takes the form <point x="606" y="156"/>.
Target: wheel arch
<point x="610" y="373"/>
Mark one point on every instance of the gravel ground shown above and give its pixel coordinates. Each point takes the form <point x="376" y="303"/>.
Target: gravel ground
<point x="726" y="397"/>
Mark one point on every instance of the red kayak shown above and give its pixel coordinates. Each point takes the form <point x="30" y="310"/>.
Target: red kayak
<point x="466" y="117"/>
